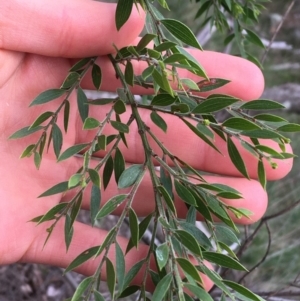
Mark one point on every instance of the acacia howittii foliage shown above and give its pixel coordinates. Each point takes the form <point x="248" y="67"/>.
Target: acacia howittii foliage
<point x="183" y="239"/>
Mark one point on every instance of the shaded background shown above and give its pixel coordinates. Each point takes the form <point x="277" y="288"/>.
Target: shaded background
<point x="278" y="274"/>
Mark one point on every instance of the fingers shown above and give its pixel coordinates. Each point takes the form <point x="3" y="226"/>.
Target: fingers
<point x="183" y="143"/>
<point x="246" y="79"/>
<point x="84" y="238"/>
<point x="64" y="28"/>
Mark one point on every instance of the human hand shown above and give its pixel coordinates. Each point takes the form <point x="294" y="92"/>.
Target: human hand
<point x="39" y="41"/>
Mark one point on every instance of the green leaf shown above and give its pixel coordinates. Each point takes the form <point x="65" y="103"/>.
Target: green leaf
<point x="236" y="158"/>
<point x="168" y="200"/>
<point x="71" y="151"/>
<point x="162" y="288"/>
<point x="145" y="40"/>
<point x="119" y="164"/>
<point x="262" y="104"/>
<point x="111" y="205"/>
<point x="134" y="227"/>
<point x="47" y="96"/>
<point x="101" y="101"/>
<point x="199" y="292"/>
<point x="108" y="240"/>
<point x="80" y="64"/>
<point x="176" y="57"/>
<point x="261" y="174"/>
<point x="184" y="193"/>
<point x="74" y="180"/>
<point x="120" y="266"/>
<point x="82" y="103"/>
<point x="111" y="277"/>
<point x="96" y="76"/>
<point x="238" y="123"/>
<point x="43" y="117"/>
<point x="242" y="290"/>
<point x="71" y="79"/>
<point x="162" y="255"/>
<point x="181" y="32"/>
<point x="120" y="107"/>
<point x="268" y="150"/>
<point x="147" y="72"/>
<point x="132" y="273"/>
<point x="162" y="81"/>
<point x="119" y="126"/>
<point x="57" y="138"/>
<point x="189" y="241"/>
<point x="189" y="268"/>
<point x="94" y="176"/>
<point x="81" y="288"/>
<point x="291" y="127"/>
<point x="69" y="231"/>
<point x="269" y="117"/>
<point x="107" y="172"/>
<point x="98" y="296"/>
<point x="223" y="260"/>
<point x="58" y="188"/>
<point x="225" y="235"/>
<point x="95" y="202"/>
<point x="90" y="123"/>
<point x="37" y="160"/>
<point x="165" y="46"/>
<point x="129" y="76"/>
<point x="200" y="135"/>
<point x="27" y="151"/>
<point x="130" y="175"/>
<point x="102" y="142"/>
<point x="213" y="105"/>
<point x="66" y="115"/>
<point x="190" y="84"/>
<point x="130" y="290"/>
<point x="157" y="120"/>
<point x="162" y="100"/>
<point x="25" y="132"/>
<point x="50" y="214"/>
<point x="197" y="233"/>
<point x="254" y="38"/>
<point x="123" y="11"/>
<point x="263" y="134"/>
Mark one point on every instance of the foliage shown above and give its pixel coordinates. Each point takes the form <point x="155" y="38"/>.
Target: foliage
<point x="183" y="240"/>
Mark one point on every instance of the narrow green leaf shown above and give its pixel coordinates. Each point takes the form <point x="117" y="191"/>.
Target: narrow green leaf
<point x="128" y="74"/>
<point x="132" y="273"/>
<point x="119" y="164"/>
<point x="111" y="277"/>
<point x="71" y="151"/>
<point x="263" y="134"/>
<point x="108" y="239"/>
<point x="157" y="120"/>
<point x="80" y="64"/>
<point x="101" y="101"/>
<point x="166" y="181"/>
<point x="262" y="104"/>
<point x="223" y="260"/>
<point x="82" y="103"/>
<point x="96" y="76"/>
<point x="184" y="193"/>
<point x="189" y="241"/>
<point x="270" y="118"/>
<point x="66" y="115"/>
<point x="57" y="138"/>
<point x="189" y="268"/>
<point x="167" y="198"/>
<point x="68" y="231"/>
<point x="176" y="57"/>
<point x="47" y="96"/>
<point x="162" y="255"/>
<point x="261" y="174"/>
<point x="145" y="40"/>
<point x="71" y="79"/>
<point x="119" y="126"/>
<point x="236" y="158"/>
<point x="147" y="72"/>
<point x="74" y="180"/>
<point x="120" y="266"/>
<point x="242" y="290"/>
<point x="291" y="127"/>
<point x="162" y="100"/>
<point x="213" y="105"/>
<point x="94" y="176"/>
<point x="130" y="175"/>
<point x="199" y="292"/>
<point x="37" y="160"/>
<point x="254" y="38"/>
<point x="268" y="150"/>
<point x="123" y="11"/>
<point x="111" y="205"/>
<point x="242" y="124"/>
<point x="190" y="84"/>
<point x="165" y="46"/>
<point x="58" y="188"/>
<point x="225" y="235"/>
<point x="81" y="288"/>
<point x="98" y="296"/>
<point x="95" y="202"/>
<point x="26" y="131"/>
<point x="107" y="171"/>
<point x="197" y="233"/>
<point x="181" y="32"/>
<point x="162" y="82"/>
<point x="43" y="117"/>
<point x="130" y="290"/>
<point x="90" y="123"/>
<point x="162" y="288"/>
<point x="50" y="214"/>
<point x="134" y="227"/>
<point x="27" y="151"/>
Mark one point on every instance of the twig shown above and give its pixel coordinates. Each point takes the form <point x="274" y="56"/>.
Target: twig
<point x="277" y="30"/>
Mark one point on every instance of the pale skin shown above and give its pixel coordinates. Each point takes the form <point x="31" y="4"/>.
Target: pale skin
<point x="37" y="40"/>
